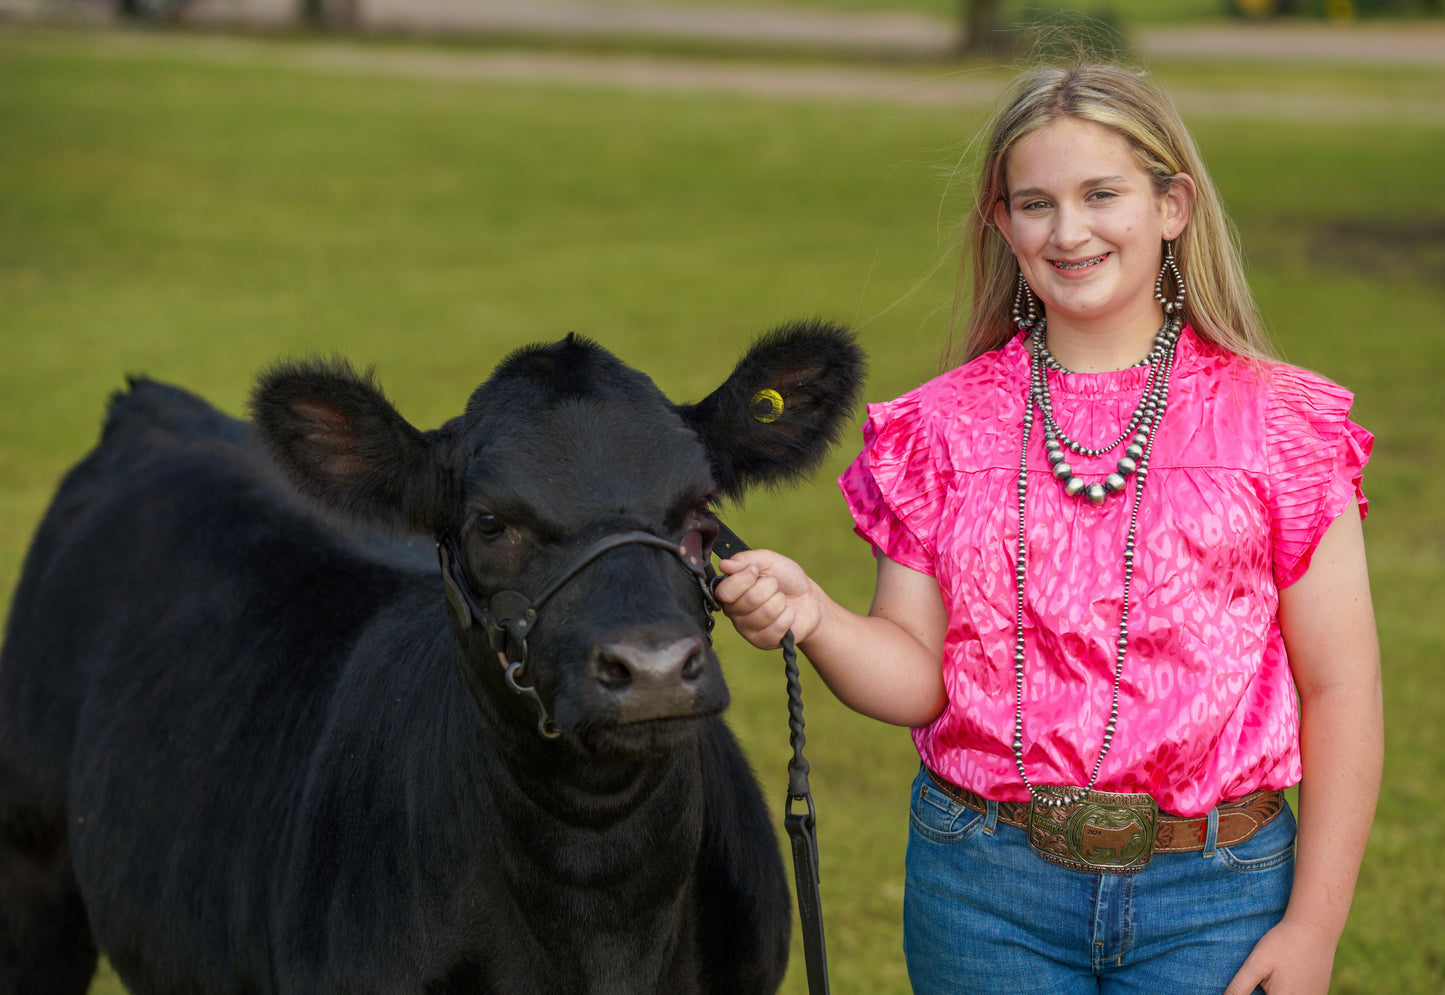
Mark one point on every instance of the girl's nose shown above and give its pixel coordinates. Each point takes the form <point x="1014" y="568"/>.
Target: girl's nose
<point x="1070" y="228"/>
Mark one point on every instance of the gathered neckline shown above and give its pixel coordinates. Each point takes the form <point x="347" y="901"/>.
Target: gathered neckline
<point x="1129" y="379"/>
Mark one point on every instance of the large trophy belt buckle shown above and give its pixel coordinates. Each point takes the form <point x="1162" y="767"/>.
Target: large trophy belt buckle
<point x="1103" y="832"/>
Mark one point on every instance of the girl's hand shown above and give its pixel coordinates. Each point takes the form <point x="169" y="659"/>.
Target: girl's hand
<point x="1291" y="959"/>
<point x="765" y="594"/>
<point x="887" y="664"/>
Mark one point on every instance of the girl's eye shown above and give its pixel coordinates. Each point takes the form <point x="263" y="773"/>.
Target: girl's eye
<point x="488" y="524"/>
<point x="1036" y="205"/>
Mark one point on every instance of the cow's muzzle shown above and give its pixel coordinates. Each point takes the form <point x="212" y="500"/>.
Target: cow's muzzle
<point x="642" y="677"/>
<point x="621" y="669"/>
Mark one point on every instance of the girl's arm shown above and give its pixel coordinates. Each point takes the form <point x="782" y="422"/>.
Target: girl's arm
<point x="887" y="664"/>
<point x="1328" y="624"/>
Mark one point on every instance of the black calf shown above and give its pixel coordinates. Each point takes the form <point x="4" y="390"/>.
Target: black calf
<point x="248" y="744"/>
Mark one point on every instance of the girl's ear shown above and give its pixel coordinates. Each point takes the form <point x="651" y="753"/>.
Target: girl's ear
<point x="1003" y="221"/>
<point x="1178" y="205"/>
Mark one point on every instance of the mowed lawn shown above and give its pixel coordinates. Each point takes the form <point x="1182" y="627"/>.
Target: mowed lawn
<point x="194" y="210"/>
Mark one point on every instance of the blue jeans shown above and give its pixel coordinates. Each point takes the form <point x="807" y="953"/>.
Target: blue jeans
<point x="982" y="913"/>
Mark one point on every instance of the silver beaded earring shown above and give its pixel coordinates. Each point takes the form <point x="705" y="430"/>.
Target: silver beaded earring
<point x="1175" y="305"/>
<point x="1026" y="306"/>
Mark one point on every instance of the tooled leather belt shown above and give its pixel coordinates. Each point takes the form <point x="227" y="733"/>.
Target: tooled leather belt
<point x="1238" y="820"/>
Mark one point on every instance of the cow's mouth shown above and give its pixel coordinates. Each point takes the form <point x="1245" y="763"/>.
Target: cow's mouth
<point x="643" y="739"/>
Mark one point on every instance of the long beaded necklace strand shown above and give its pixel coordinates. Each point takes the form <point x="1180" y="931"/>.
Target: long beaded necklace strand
<point x="1140" y="431"/>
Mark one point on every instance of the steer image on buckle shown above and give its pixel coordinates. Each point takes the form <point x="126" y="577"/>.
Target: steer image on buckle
<point x="1102" y="832"/>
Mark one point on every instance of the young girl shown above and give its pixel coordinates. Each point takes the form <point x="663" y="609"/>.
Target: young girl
<point x="1111" y="546"/>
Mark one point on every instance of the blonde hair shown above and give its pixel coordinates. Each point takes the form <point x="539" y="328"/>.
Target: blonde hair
<point x="1219" y="304"/>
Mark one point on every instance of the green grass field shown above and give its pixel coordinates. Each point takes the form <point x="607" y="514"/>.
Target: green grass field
<point x="195" y="211"/>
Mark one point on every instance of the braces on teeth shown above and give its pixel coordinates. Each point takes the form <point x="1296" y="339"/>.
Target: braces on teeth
<point x="1081" y="264"/>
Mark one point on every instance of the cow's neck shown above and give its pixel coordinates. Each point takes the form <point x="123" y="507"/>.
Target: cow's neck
<point x="583" y="842"/>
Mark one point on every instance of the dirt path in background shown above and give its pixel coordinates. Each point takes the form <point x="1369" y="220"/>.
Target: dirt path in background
<point x="904" y="33"/>
<point x="1418" y="43"/>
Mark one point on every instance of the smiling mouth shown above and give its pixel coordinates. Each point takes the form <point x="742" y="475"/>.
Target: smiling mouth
<point x="1082" y="263"/>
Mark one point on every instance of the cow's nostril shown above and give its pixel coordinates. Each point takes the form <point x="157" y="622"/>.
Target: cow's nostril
<point x="613" y="671"/>
<point x="695" y="664"/>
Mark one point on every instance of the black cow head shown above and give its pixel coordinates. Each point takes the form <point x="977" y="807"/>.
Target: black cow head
<point x="563" y="447"/>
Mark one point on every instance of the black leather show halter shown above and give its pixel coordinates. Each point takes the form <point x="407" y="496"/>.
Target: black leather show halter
<point x="510" y="615"/>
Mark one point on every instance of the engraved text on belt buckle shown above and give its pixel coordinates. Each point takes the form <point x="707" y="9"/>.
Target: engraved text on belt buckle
<point x="1104" y="832"/>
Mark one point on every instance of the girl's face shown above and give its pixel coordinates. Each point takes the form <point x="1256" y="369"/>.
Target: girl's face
<point x="1086" y="226"/>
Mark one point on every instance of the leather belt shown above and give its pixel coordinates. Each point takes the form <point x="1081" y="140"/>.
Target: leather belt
<point x="1238" y="820"/>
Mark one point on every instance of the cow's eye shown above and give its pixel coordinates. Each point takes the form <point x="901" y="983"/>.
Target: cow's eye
<point x="488" y="524"/>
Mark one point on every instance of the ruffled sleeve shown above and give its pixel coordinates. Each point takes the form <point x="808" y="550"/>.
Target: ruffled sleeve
<point x="896" y="487"/>
<point x="1317" y="460"/>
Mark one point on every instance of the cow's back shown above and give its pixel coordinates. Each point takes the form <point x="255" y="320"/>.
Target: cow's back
<point x="167" y="555"/>
<point x="172" y="656"/>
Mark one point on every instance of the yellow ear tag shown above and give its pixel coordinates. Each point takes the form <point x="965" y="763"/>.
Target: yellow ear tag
<point x="767" y="405"/>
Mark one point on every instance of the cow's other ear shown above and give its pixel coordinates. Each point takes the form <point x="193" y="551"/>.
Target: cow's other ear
<point x="783" y="408"/>
<point x="342" y="442"/>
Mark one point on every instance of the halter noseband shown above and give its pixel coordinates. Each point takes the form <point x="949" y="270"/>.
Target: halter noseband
<point x="510" y="615"/>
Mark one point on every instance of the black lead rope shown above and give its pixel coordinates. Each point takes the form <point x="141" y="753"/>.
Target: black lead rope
<point x="801" y="824"/>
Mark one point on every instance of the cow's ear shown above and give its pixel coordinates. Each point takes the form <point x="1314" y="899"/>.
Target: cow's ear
<point x="342" y="442"/>
<point x="784" y="406"/>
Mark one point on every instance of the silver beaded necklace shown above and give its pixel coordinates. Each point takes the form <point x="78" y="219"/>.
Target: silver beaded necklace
<point x="1140" y="430"/>
<point x="1138" y="427"/>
